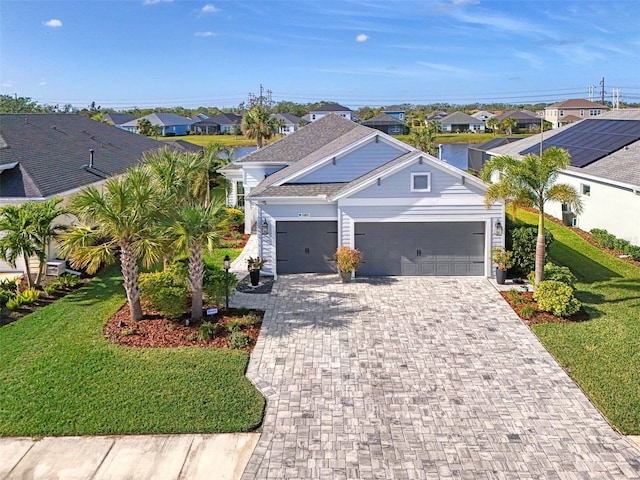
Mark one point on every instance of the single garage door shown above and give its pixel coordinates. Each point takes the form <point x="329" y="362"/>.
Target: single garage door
<point x="442" y="248"/>
<point x="306" y="247"/>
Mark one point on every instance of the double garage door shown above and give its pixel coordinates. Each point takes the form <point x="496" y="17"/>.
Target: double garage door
<point x="441" y="248"/>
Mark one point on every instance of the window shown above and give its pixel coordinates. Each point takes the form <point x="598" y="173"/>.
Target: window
<point x="585" y="189"/>
<point x="594" y="112"/>
<point x="562" y="113"/>
<point x="582" y="112"/>
<point x="240" y="196"/>
<point x="566" y="207"/>
<point x="421" y="182"/>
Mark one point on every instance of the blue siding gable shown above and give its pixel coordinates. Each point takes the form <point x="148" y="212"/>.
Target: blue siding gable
<point x="399" y="184"/>
<point x="354" y="164"/>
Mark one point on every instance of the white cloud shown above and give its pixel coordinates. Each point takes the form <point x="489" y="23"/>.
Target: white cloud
<point x="53" y="23"/>
<point x="209" y="8"/>
<point x="154" y="2"/>
<point x="7" y="84"/>
<point x="205" y="34"/>
<point x="42" y="83"/>
<point x="362" y="38"/>
<point x="444" y="68"/>
<point x="466" y="2"/>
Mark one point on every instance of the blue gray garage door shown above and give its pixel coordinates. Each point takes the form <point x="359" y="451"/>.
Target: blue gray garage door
<point x="306" y="247"/>
<point x="441" y="248"/>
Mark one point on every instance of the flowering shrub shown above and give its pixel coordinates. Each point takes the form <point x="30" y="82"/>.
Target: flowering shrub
<point x="255" y="263"/>
<point x="348" y="259"/>
<point x="556" y="297"/>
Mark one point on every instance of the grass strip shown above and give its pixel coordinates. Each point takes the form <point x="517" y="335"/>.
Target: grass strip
<point x="603" y="354"/>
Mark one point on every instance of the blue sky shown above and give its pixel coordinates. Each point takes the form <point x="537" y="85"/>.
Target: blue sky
<point x="153" y="53"/>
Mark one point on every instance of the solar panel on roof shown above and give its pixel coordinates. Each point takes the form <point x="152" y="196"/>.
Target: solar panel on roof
<point x="592" y="139"/>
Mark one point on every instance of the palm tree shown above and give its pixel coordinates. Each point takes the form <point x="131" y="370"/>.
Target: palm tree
<point x="424" y="138"/>
<point x="20" y="239"/>
<point x="144" y="127"/>
<point x="531" y="182"/>
<point x="195" y="227"/>
<point x="508" y="124"/>
<point x="259" y="124"/>
<point x="494" y="124"/>
<point x="118" y="220"/>
<point x="44" y="214"/>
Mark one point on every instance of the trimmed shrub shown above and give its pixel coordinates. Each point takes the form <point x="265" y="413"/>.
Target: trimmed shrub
<point x="527" y="311"/>
<point x="205" y="331"/>
<point x="239" y="340"/>
<point x="28" y="296"/>
<point x="234" y="218"/>
<point x="515" y="297"/>
<point x="556" y="297"/>
<point x="603" y="238"/>
<point x="523" y="246"/>
<point x="214" y="284"/>
<point x="251" y="319"/>
<point x="165" y="291"/>
<point x="560" y="274"/>
<point x="606" y="240"/>
<point x="234" y="326"/>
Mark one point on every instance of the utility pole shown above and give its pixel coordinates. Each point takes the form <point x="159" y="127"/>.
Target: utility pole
<point x="602" y="90"/>
<point x="615" y="98"/>
<point x="592" y="91"/>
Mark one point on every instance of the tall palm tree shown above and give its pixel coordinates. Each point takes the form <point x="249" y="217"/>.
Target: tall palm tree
<point x="117" y="221"/>
<point x="258" y="124"/>
<point x="508" y="124"/>
<point x="20" y="236"/>
<point x="424" y="138"/>
<point x="531" y="182"/>
<point x="194" y="228"/>
<point x="494" y="124"/>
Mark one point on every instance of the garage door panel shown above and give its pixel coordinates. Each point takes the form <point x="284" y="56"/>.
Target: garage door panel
<point x="438" y="248"/>
<point x="306" y="247"/>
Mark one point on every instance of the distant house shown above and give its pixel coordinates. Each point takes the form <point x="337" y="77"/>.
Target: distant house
<point x="526" y="120"/>
<point x="436" y="116"/>
<point x="573" y="110"/>
<point x="387" y="122"/>
<point x="461" y="122"/>
<point x="483" y="115"/>
<point x="289" y="123"/>
<point x="228" y="122"/>
<point x="169" y="123"/>
<point x="117" y="119"/>
<point x="43" y="156"/>
<point x="203" y="125"/>
<point x="328" y="108"/>
<point x="605" y="170"/>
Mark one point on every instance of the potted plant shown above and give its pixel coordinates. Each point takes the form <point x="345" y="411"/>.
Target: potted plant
<point x="348" y="260"/>
<point x="254" y="265"/>
<point x="503" y="260"/>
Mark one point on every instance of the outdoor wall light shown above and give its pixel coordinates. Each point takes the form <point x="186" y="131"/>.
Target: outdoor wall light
<point x="265" y="228"/>
<point x="497" y="230"/>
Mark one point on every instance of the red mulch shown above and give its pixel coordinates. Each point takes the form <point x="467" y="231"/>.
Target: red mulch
<point x="155" y="331"/>
<point x="539" y="316"/>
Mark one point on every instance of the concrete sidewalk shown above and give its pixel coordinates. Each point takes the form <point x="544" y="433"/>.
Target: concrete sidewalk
<point x="157" y="457"/>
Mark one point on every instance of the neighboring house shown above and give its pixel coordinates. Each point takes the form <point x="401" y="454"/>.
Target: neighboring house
<point x="184" y="146"/>
<point x="436" y="116"/>
<point x="229" y="122"/>
<point x="328" y="108"/>
<point x="483" y="115"/>
<point x="526" y="120"/>
<point x="169" y="124"/>
<point x="461" y="122"/>
<point x="573" y="110"/>
<point x="386" y="122"/>
<point x="334" y="182"/>
<point x="117" y="119"/>
<point x="289" y="123"/>
<point x="477" y="154"/>
<point x="605" y="170"/>
<point x="203" y="125"/>
<point x="43" y="156"/>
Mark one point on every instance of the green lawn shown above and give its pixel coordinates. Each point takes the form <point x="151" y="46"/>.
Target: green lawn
<point x="602" y="354"/>
<point x="204" y="140"/>
<point x="59" y="376"/>
<point x="460" y="137"/>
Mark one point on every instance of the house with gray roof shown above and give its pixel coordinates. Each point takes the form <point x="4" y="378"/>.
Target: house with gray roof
<point x="169" y="124"/>
<point x="334" y="182"/>
<point x="461" y="122"/>
<point x="572" y="110"/>
<point x="117" y="119"/>
<point x="228" y="122"/>
<point x="329" y="108"/>
<point x="43" y="156"/>
<point x="289" y="123"/>
<point x="526" y="121"/>
<point x="387" y="122"/>
<point x="605" y="170"/>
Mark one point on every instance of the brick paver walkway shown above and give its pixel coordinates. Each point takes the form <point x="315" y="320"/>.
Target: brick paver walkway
<point x="418" y="378"/>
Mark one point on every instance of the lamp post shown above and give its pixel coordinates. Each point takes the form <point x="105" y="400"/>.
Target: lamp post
<point x="226" y="264"/>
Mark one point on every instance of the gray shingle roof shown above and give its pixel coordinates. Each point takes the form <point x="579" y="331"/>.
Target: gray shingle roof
<point x="161" y="119"/>
<point x="331" y="107"/>
<point x="288" y="118"/>
<point x="118" y="118"/>
<point x="52" y="149"/>
<point x="460" y="118"/>
<point x="382" y="119"/>
<point x="226" y="119"/>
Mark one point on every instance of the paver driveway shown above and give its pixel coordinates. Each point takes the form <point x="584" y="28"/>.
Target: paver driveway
<point x="418" y="378"/>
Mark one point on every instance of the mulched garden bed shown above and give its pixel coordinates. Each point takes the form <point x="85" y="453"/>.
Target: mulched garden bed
<point x="265" y="285"/>
<point x="526" y="298"/>
<point x="156" y="331"/>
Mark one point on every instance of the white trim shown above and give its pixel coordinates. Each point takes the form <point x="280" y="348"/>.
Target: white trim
<point x="420" y="174"/>
<point x="425" y="219"/>
<point x="449" y="200"/>
<point x="305" y="219"/>
<point x="319" y="200"/>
